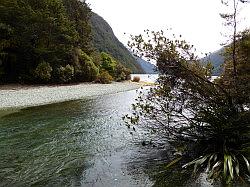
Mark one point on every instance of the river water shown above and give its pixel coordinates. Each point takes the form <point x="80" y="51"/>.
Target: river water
<point x="78" y="143"/>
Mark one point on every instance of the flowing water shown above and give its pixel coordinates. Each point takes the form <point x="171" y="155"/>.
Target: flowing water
<point x="78" y="143"/>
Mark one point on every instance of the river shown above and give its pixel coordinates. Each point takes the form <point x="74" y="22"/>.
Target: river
<point x="78" y="143"/>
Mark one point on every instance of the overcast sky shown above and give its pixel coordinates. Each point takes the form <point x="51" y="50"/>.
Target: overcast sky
<point x="198" y="21"/>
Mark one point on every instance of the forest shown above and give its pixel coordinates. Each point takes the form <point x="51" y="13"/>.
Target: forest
<point x="50" y="41"/>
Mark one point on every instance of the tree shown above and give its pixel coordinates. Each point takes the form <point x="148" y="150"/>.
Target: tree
<point x="85" y="69"/>
<point x="242" y="49"/>
<point x="232" y="21"/>
<point x="37" y="31"/>
<point x="57" y="32"/>
<point x="79" y="14"/>
<point x="108" y="63"/>
<point x="192" y="111"/>
<point x="43" y="72"/>
<point x="122" y="73"/>
<point x="114" y="68"/>
<point x="105" y="77"/>
<point x="65" y="74"/>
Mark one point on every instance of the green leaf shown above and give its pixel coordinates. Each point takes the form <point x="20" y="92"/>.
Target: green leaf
<point x="247" y="163"/>
<point x="173" y="162"/>
<point x="189" y="163"/>
<point x="230" y="166"/>
<point x="197" y="162"/>
<point x="213" y="172"/>
<point x="228" y="179"/>
<point x="216" y="165"/>
<point x="225" y="165"/>
<point x="237" y="167"/>
<point x="209" y="162"/>
<point x="200" y="162"/>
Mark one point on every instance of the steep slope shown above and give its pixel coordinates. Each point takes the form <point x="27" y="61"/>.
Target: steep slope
<point x="147" y="66"/>
<point x="217" y="59"/>
<point x="104" y="40"/>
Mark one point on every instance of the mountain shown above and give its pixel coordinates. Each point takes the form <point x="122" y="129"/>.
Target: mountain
<point x="147" y="67"/>
<point x="104" y="40"/>
<point x="217" y="59"/>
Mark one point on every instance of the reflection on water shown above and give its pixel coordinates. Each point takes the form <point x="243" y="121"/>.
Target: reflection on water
<point x="80" y="143"/>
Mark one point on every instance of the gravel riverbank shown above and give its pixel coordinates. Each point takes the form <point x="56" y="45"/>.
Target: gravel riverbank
<point x="21" y="96"/>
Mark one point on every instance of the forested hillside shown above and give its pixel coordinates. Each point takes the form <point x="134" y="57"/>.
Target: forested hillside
<point x="105" y="40"/>
<point x="50" y="41"/>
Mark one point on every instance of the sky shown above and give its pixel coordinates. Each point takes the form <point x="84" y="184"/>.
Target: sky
<point x="198" y="21"/>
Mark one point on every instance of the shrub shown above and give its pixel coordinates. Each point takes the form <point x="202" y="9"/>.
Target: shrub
<point x="85" y="69"/>
<point x="96" y="57"/>
<point x="65" y="74"/>
<point x="128" y="77"/>
<point x="105" y="78"/>
<point x="114" y="68"/>
<point x="121" y="77"/>
<point x="108" y="63"/>
<point x="127" y="73"/>
<point x="122" y="73"/>
<point x="43" y="71"/>
<point x="90" y="71"/>
<point x="136" y="79"/>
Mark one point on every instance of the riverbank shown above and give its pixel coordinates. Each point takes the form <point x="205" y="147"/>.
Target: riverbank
<point x="17" y="96"/>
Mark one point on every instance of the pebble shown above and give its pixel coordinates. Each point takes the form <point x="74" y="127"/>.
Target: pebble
<point x="41" y="95"/>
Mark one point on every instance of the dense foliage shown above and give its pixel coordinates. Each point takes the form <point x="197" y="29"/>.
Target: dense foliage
<point x="113" y="68"/>
<point x="241" y="90"/>
<point x="105" y="77"/>
<point x="50" y="41"/>
<point x="35" y="33"/>
<point x="209" y="120"/>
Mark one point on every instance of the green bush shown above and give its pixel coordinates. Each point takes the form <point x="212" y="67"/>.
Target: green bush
<point x="108" y="63"/>
<point x="90" y="71"/>
<point x="96" y="57"/>
<point x="105" y="78"/>
<point x="85" y="69"/>
<point x="114" y="68"/>
<point x="65" y="74"/>
<point x="43" y="72"/>
<point x="122" y="73"/>
<point x="121" y="77"/>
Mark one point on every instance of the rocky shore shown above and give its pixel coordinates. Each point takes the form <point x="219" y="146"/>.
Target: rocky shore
<point x="14" y="96"/>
